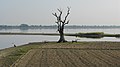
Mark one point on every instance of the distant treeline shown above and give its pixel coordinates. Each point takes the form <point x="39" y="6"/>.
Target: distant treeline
<point x="25" y="27"/>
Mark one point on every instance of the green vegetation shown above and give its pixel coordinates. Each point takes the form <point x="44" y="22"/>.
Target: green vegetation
<point x="91" y="35"/>
<point x="112" y="35"/>
<point x="9" y="55"/>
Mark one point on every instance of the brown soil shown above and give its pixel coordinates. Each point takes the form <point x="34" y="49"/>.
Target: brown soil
<point x="72" y="56"/>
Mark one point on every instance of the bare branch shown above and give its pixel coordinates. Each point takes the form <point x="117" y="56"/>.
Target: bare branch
<point x="67" y="22"/>
<point x="68" y="9"/>
<point x="68" y="12"/>
<point x="58" y="28"/>
<point x="58" y="24"/>
<point x="59" y="17"/>
<point x="55" y="15"/>
<point x="59" y="10"/>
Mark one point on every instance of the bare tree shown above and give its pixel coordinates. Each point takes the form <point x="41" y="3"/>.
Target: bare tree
<point x="61" y="23"/>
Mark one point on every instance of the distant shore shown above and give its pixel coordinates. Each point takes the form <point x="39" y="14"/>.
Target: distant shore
<point x="26" y="27"/>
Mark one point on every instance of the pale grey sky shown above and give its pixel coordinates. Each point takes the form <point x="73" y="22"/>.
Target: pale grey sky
<point x="90" y="12"/>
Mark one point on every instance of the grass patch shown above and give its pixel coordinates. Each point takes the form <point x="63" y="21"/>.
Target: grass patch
<point x="91" y="35"/>
<point x="14" y="54"/>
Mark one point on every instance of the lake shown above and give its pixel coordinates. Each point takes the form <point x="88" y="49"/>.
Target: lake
<point x="9" y="40"/>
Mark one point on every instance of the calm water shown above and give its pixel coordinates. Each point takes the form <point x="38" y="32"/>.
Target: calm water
<point x="8" y="40"/>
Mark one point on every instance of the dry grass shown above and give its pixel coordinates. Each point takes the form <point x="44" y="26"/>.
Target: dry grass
<point x="83" y="54"/>
<point x="9" y="55"/>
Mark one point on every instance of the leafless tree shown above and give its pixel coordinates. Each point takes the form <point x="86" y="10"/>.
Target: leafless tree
<point x="61" y="23"/>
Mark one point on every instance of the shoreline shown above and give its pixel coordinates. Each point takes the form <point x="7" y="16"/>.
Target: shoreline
<point x="56" y="42"/>
<point x="59" y="43"/>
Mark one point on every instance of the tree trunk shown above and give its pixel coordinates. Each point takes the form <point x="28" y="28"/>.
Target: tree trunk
<point x="62" y="39"/>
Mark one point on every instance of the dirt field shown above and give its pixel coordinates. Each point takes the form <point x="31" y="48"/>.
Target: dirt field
<point x="72" y="56"/>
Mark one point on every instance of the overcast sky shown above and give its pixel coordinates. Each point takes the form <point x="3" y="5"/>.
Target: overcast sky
<point x="83" y="12"/>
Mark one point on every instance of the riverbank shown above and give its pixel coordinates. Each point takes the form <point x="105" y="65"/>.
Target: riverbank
<point x="9" y="56"/>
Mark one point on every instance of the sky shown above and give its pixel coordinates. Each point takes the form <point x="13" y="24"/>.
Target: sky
<point x="39" y="12"/>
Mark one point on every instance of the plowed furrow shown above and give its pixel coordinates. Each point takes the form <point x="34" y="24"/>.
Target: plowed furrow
<point x="57" y="57"/>
<point x="65" y="58"/>
<point x="98" y="54"/>
<point x="53" y="59"/>
<point x="114" y="60"/>
<point x="115" y="53"/>
<point x="35" y="59"/>
<point x="26" y="58"/>
<point x="43" y="62"/>
<point x="83" y="57"/>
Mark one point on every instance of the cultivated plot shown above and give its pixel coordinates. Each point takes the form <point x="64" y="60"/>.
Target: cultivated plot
<point x="70" y="57"/>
